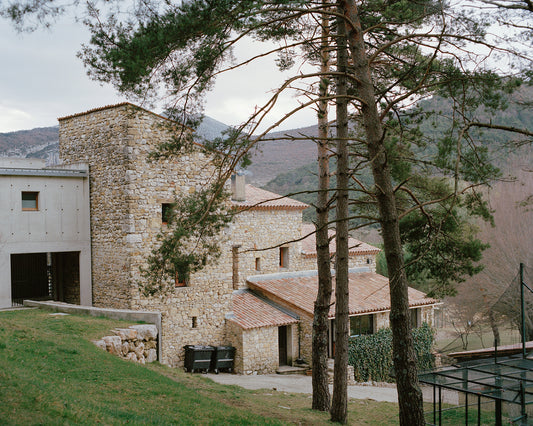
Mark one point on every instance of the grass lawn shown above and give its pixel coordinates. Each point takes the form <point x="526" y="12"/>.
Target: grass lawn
<point x="448" y="339"/>
<point x="51" y="373"/>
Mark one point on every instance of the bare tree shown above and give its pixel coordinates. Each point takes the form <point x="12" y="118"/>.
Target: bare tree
<point x="511" y="243"/>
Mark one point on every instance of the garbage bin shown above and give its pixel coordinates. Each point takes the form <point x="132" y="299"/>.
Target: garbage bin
<point x="198" y="357"/>
<point x="223" y="358"/>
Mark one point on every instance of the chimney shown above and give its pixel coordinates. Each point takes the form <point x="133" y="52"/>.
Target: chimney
<point x="238" y="183"/>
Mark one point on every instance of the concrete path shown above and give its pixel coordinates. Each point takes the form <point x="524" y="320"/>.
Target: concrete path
<point x="302" y="384"/>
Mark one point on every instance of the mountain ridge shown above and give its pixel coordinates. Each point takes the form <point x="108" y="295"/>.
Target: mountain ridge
<point x="291" y="153"/>
<point x="269" y="158"/>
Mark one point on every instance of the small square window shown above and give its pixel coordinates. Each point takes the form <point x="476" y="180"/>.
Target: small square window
<point x="166" y="213"/>
<point x="284" y="257"/>
<point x="30" y="200"/>
<point x="182" y="277"/>
<point x="257" y="263"/>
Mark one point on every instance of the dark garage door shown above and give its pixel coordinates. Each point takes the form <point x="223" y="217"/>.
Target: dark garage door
<point x="29" y="278"/>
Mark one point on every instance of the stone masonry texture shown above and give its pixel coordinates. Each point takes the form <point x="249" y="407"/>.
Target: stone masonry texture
<point x="127" y="190"/>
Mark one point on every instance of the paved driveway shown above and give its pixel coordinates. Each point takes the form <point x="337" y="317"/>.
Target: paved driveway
<point x="302" y="384"/>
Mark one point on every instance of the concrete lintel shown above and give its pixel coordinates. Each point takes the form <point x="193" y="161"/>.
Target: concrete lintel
<point x="44" y="172"/>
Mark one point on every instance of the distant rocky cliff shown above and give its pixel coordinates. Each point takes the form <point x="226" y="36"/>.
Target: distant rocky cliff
<point x="42" y="142"/>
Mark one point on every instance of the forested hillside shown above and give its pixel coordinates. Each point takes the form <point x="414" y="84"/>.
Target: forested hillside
<point x="286" y="163"/>
<point x="283" y="152"/>
<point x="302" y="180"/>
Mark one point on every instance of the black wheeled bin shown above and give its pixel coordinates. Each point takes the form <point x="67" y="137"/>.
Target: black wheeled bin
<point x="198" y="357"/>
<point x="223" y="358"/>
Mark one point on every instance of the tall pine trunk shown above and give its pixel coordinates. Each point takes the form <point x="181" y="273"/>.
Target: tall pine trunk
<point x="339" y="406"/>
<point x="321" y="396"/>
<point x="409" y="393"/>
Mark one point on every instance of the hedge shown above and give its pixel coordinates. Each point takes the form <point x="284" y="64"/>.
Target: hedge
<point x="371" y="355"/>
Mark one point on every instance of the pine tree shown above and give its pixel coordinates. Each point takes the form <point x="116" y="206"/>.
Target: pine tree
<point x="397" y="54"/>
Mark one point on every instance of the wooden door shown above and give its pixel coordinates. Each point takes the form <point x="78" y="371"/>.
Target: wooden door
<point x="282" y="344"/>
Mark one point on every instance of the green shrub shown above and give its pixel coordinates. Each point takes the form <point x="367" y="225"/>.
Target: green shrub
<point x="371" y="355"/>
<point x="424" y="337"/>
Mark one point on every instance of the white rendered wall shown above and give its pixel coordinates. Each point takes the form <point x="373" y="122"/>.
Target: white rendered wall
<point x="61" y="223"/>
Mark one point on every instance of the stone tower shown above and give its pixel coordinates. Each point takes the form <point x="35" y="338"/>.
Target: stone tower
<point x="128" y="192"/>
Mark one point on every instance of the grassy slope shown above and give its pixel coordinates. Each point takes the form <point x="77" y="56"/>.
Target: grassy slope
<point x="50" y="373"/>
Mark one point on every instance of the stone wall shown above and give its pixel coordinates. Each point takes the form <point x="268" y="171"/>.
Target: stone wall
<point x="127" y="193"/>
<point x="260" y="350"/>
<point x="260" y="233"/>
<point x="308" y="263"/>
<point x="101" y="139"/>
<point x="137" y="343"/>
<point x="306" y="338"/>
<point x="381" y="320"/>
<point x="256" y="349"/>
<point x="234" y="337"/>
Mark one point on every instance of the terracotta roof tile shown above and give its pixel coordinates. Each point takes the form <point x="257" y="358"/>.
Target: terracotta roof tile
<point x="369" y="292"/>
<point x="309" y="243"/>
<point x="252" y="312"/>
<point x="260" y="199"/>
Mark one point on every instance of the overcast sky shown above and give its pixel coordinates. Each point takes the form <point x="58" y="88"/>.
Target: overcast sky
<point x="41" y="79"/>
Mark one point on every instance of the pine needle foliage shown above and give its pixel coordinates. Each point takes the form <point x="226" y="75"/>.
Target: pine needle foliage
<point x="189" y="241"/>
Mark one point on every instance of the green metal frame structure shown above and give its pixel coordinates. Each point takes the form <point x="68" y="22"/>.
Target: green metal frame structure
<point x="509" y="381"/>
<point x="504" y="380"/>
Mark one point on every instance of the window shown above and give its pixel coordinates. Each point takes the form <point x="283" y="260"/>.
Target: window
<point x="182" y="276"/>
<point x="361" y="324"/>
<point x="166" y="213"/>
<point x="194" y="322"/>
<point x="30" y="200"/>
<point x="415" y="318"/>
<point x="284" y="257"/>
<point x="257" y="263"/>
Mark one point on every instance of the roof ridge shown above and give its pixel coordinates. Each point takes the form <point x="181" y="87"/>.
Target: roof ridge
<point x="120" y="104"/>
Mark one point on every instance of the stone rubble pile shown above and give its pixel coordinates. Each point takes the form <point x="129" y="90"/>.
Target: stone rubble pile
<point x="137" y="343"/>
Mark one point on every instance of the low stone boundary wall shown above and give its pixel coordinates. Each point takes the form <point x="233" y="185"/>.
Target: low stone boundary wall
<point x="125" y="314"/>
<point x="137" y="343"/>
<point x="331" y="369"/>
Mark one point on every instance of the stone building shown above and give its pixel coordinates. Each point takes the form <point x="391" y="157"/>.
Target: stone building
<point x="128" y="193"/>
<point x="369" y="303"/>
<point x="226" y="302"/>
